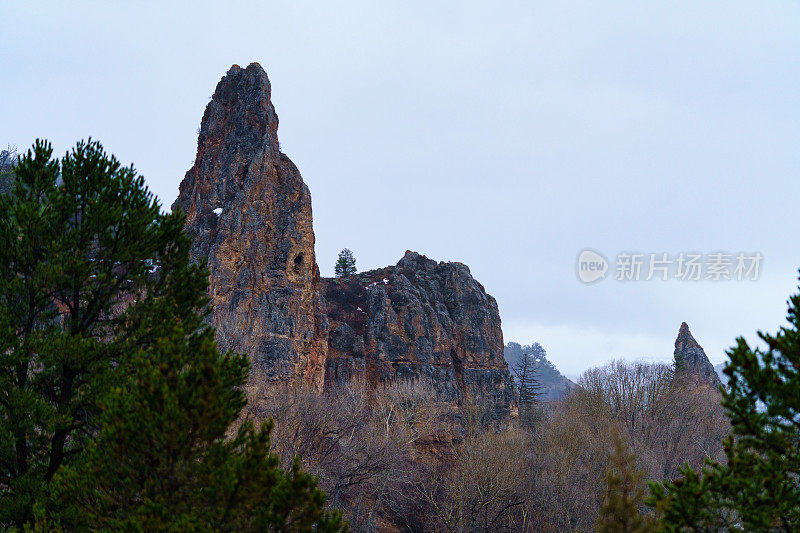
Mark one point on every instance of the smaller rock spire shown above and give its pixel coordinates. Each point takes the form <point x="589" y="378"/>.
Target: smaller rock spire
<point x="694" y="358"/>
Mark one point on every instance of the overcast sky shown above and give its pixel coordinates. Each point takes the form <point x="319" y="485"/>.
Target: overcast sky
<point x="505" y="135"/>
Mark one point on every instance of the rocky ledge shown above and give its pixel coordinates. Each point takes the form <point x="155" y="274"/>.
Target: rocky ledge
<point x="418" y="319"/>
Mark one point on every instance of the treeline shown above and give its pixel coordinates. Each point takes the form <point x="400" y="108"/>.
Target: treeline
<point x="398" y="456"/>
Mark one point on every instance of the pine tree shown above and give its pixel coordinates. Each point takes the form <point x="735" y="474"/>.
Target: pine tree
<point x="162" y="461"/>
<point x="76" y="238"/>
<point x="624" y="494"/>
<point x="345" y="264"/>
<point x="114" y="399"/>
<point x="527" y="384"/>
<point x="757" y="489"/>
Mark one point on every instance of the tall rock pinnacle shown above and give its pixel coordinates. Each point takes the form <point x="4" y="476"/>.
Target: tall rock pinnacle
<point x="249" y="214"/>
<point x="694" y="356"/>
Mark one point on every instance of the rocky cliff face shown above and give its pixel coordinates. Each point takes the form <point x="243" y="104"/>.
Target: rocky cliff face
<point x="249" y="214"/>
<point x="419" y="318"/>
<point x="694" y="357"/>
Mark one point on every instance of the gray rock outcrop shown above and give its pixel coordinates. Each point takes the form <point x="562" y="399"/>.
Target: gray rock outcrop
<point x="418" y="319"/>
<point x="694" y="357"/>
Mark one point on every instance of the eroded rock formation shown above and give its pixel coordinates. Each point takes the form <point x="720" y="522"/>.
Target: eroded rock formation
<point x="249" y="214"/>
<point x="694" y="357"/>
<point x="419" y="318"/>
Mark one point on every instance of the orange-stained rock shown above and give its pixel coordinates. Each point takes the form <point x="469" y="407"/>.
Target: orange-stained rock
<point x="249" y="214"/>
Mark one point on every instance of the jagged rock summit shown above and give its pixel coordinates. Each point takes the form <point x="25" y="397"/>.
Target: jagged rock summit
<point x="249" y="215"/>
<point x="418" y="319"/>
<point x="694" y="357"/>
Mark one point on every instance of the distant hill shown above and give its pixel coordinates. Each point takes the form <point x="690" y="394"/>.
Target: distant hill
<point x="722" y="377"/>
<point x="6" y="179"/>
<point x="552" y="384"/>
<point x="8" y="159"/>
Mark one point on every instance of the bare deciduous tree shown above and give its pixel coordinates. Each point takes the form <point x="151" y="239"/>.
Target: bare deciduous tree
<point x="361" y="442"/>
<point x="485" y="486"/>
<point x="395" y="455"/>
